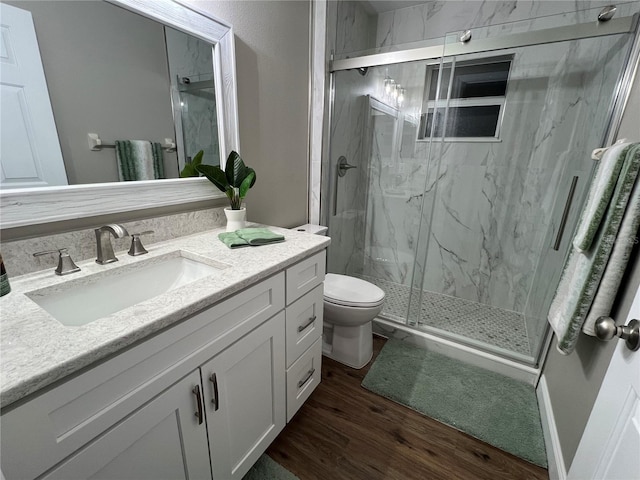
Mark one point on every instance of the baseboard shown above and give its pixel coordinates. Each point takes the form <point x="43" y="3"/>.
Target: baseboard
<point x="555" y="459"/>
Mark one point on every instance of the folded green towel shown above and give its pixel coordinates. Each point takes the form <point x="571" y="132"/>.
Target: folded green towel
<point x="232" y="240"/>
<point x="259" y="236"/>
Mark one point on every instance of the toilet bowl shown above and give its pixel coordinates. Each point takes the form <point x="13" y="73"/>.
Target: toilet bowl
<point x="350" y="305"/>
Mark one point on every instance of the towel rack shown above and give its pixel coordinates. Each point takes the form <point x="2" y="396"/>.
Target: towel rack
<point x="599" y="152"/>
<point x="96" y="144"/>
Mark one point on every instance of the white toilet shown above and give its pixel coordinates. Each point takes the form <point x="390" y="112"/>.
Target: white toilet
<point x="350" y="305"/>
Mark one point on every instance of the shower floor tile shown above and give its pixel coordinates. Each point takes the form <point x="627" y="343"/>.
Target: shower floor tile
<point x="491" y="325"/>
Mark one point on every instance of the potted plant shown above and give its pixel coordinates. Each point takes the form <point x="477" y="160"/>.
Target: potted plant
<point x="235" y="181"/>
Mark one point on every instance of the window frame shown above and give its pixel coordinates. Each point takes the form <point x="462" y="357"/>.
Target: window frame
<point x="431" y="106"/>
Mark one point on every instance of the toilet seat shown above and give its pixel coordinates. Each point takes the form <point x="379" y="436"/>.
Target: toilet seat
<point x="351" y="292"/>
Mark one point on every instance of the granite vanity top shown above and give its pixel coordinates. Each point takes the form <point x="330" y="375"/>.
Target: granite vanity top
<point x="36" y="350"/>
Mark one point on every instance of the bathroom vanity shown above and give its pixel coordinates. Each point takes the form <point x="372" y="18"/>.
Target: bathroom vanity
<point x="193" y="383"/>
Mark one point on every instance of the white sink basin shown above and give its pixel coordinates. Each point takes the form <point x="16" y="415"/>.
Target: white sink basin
<point x="81" y="302"/>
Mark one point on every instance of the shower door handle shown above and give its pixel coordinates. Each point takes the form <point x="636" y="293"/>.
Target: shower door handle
<point x="565" y="213"/>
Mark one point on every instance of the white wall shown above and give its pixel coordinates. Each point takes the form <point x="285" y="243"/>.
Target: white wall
<point x="272" y="62"/>
<point x="107" y="73"/>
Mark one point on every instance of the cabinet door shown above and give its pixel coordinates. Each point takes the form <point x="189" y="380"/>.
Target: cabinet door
<point x="163" y="440"/>
<point x="246" y="407"/>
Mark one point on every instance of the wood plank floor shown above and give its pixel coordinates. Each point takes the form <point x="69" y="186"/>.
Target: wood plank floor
<point x="346" y="432"/>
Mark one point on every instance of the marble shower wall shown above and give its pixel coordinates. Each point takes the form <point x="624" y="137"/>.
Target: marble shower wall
<point x="437" y="18"/>
<point x="344" y="209"/>
<point x="196" y="117"/>
<point x="494" y="204"/>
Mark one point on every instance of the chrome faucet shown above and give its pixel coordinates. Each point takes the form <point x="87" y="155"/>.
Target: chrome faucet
<point x="103" y="242"/>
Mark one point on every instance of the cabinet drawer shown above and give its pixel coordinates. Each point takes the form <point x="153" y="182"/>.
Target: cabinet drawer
<point x="304" y="323"/>
<point x="303" y="377"/>
<point x="51" y="426"/>
<point x="305" y="275"/>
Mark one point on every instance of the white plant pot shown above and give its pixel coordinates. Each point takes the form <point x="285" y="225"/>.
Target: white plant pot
<point x="236" y="219"/>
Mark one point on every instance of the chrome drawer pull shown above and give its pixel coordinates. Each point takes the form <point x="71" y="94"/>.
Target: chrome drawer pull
<point x="199" y="413"/>
<point x="302" y="328"/>
<point x="306" y="378"/>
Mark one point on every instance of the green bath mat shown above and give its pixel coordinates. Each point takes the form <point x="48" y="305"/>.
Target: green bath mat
<point x="496" y="409"/>
<point x="267" y="469"/>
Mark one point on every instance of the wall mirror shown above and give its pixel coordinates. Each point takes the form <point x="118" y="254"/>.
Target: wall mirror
<point x="159" y="71"/>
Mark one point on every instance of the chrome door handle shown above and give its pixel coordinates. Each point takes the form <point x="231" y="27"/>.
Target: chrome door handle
<point x="302" y="328"/>
<point x="606" y="329"/>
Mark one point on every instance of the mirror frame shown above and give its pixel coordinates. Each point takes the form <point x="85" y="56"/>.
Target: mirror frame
<point x="32" y="206"/>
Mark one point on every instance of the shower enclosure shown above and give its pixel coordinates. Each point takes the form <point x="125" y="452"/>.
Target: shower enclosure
<point x="472" y="159"/>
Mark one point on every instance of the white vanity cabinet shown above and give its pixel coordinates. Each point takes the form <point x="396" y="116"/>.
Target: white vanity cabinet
<point x="237" y="398"/>
<point x="304" y="293"/>
<point x="236" y="364"/>
<point x="161" y="440"/>
<point x="244" y="396"/>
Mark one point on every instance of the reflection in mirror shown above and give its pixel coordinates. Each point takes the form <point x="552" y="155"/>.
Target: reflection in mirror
<point x="99" y="68"/>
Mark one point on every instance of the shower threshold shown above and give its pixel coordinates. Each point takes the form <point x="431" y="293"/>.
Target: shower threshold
<point x="458" y="318"/>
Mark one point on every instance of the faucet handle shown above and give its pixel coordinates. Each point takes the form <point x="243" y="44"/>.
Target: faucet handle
<point x="136" y="244"/>
<point x="66" y="264"/>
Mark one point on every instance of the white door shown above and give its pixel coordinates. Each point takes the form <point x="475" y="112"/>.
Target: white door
<point x="162" y="440"/>
<point x="245" y="398"/>
<point x="30" y="154"/>
<point x="610" y="445"/>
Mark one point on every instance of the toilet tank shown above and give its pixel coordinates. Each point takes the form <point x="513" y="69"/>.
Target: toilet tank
<point x="311" y="228"/>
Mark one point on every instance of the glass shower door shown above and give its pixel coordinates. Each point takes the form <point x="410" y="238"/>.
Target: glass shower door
<point x="512" y="130"/>
<point x="373" y="210"/>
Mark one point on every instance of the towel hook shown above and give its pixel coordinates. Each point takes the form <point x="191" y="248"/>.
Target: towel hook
<point x="606" y="329"/>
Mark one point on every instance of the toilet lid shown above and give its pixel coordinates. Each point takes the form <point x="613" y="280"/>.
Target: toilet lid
<point x="350" y="291"/>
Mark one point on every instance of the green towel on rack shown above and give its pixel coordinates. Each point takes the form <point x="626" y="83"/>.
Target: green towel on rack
<point x="139" y="160"/>
<point x="259" y="236"/>
<point x="232" y="240"/>
<point x="583" y="271"/>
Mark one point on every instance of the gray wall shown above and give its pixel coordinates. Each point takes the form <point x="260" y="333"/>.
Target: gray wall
<point x="574" y="380"/>
<point x="272" y="67"/>
<point x="107" y="73"/>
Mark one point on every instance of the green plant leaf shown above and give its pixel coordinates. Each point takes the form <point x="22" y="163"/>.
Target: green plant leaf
<point x="215" y="176"/>
<point x="197" y="158"/>
<point x="249" y="171"/>
<point x="246" y="184"/>
<point x="235" y="169"/>
<point x="189" y="170"/>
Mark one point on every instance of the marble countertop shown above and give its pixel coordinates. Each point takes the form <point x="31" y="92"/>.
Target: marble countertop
<point x="36" y="350"/>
